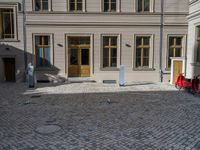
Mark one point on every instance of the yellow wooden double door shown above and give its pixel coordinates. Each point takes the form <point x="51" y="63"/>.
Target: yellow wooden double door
<point x="79" y="61"/>
<point x="177" y="69"/>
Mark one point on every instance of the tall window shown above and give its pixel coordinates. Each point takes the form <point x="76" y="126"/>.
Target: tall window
<point x="110" y="5"/>
<point x="198" y="44"/>
<point x="41" y="5"/>
<point x="110" y="51"/>
<point x="43" y="51"/>
<point x="175" y="48"/>
<point x="142" y="51"/>
<point x="6" y="23"/>
<point x="75" y="5"/>
<point x="143" y="5"/>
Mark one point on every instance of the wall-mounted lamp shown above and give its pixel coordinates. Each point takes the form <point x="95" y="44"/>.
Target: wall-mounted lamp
<point x="60" y="45"/>
<point x="128" y="45"/>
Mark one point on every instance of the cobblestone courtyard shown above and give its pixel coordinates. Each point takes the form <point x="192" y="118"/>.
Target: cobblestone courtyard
<point x="94" y="116"/>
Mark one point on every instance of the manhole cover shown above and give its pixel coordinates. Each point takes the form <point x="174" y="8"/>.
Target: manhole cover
<point x="47" y="129"/>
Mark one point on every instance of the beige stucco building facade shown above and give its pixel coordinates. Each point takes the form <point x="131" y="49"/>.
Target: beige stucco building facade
<point x="93" y="38"/>
<point x="193" y="53"/>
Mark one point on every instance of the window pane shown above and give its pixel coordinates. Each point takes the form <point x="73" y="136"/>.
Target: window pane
<point x="47" y="58"/>
<point x="110" y="52"/>
<point x="39" y="56"/>
<point x="46" y="40"/>
<point x="40" y="40"/>
<point x="138" y="57"/>
<point x="106" y="5"/>
<point x="72" y="5"/>
<point x="7" y="24"/>
<point x="113" y="57"/>
<point x="146" y="40"/>
<point x="105" y="41"/>
<point x="146" y="57"/>
<point x="43" y="51"/>
<point x="146" y="5"/>
<point x="37" y="5"/>
<point x="171" y="52"/>
<point x="138" y="41"/>
<point x="37" y="40"/>
<point x="146" y="52"/>
<point x="79" y="6"/>
<point x="139" y="5"/>
<point x="198" y="52"/>
<point x="171" y="41"/>
<point x="114" y="41"/>
<point x="113" y="5"/>
<point x="178" y="41"/>
<point x="85" y="56"/>
<point x="105" y="57"/>
<point x="169" y="63"/>
<point x="146" y="62"/>
<point x="85" y="40"/>
<point x="45" y="5"/>
<point x="178" y="52"/>
<point x="74" y="57"/>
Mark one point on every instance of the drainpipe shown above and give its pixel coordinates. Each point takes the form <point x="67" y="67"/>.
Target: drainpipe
<point x="24" y="34"/>
<point x="161" y="38"/>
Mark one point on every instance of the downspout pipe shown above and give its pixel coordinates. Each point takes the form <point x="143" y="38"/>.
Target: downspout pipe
<point x="24" y="34"/>
<point x="161" y="38"/>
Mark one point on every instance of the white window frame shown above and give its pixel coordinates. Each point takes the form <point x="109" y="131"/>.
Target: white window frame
<point x="14" y="7"/>
<point x="118" y="7"/>
<point x="51" y="48"/>
<point x="151" y="53"/>
<point x="151" y="10"/>
<point x="118" y="51"/>
<point x="49" y="5"/>
<point x="183" y="48"/>
<point x="83" y="6"/>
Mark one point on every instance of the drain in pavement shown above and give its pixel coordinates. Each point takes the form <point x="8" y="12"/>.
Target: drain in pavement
<point x="48" y="129"/>
<point x="35" y="96"/>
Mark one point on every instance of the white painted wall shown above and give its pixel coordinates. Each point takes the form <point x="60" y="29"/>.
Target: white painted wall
<point x="193" y="67"/>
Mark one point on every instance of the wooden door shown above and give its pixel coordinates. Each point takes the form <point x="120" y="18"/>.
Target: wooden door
<point x="177" y="69"/>
<point x="79" y="61"/>
<point x="9" y="69"/>
<point x="84" y="67"/>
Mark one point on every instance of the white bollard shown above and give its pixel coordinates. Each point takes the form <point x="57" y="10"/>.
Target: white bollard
<point x="122" y="76"/>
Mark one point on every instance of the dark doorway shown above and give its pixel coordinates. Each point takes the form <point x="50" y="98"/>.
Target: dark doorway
<point x="9" y="69"/>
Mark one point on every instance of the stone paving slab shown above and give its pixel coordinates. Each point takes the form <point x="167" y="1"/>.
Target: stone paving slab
<point x="149" y="116"/>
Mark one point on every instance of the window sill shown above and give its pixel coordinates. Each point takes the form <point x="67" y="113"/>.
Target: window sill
<point x="144" y="69"/>
<point x="41" y="11"/>
<point x="110" y="12"/>
<point x="9" y="40"/>
<point x="109" y="69"/>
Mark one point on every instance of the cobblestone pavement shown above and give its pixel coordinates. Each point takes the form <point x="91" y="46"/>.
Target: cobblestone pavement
<point x="99" y="117"/>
